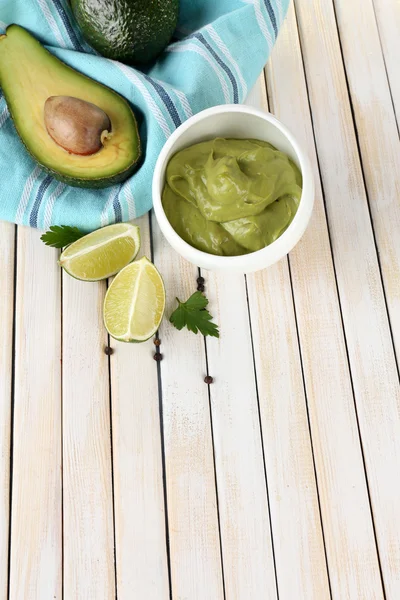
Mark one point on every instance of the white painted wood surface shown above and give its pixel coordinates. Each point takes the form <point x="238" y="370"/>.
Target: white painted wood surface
<point x="387" y="14"/>
<point x="380" y="152"/>
<point x="295" y="515"/>
<point x="141" y="547"/>
<point x="241" y="482"/>
<point x="36" y="523"/>
<point x="352" y="558"/>
<point x="196" y="571"/>
<point x="134" y="479"/>
<point x="371" y="353"/>
<point x="379" y="142"/>
<point x="87" y="475"/>
<point x="7" y="233"/>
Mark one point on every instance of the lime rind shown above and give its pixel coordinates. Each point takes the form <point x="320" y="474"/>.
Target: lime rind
<point x="139" y="269"/>
<point x="81" y="254"/>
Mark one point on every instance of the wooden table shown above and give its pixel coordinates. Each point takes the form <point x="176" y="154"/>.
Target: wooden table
<point x="123" y="477"/>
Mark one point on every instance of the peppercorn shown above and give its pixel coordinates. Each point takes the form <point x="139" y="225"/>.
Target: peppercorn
<point x="208" y="379"/>
<point x="200" y="288"/>
<point x="158" y="356"/>
<point x="157" y="342"/>
<point x="108" y="351"/>
<point x="200" y="280"/>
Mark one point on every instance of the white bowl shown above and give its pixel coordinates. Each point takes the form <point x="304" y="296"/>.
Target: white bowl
<point x="235" y="121"/>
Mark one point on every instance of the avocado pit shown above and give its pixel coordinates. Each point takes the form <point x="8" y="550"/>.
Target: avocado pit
<point x="78" y="126"/>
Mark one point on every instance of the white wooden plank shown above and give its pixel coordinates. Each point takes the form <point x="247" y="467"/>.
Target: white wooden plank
<point x="7" y="232"/>
<point x="349" y="537"/>
<point x="191" y="496"/>
<point x="141" y="551"/>
<point x="36" y="524"/>
<point x="380" y="151"/>
<point x="243" y="503"/>
<point x="295" y="517"/>
<point x="388" y="18"/>
<point x="378" y="138"/>
<point x="360" y="289"/>
<point x="87" y="475"/>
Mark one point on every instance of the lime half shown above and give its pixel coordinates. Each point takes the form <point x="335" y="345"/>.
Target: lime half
<point x="102" y="253"/>
<point x="134" y="303"/>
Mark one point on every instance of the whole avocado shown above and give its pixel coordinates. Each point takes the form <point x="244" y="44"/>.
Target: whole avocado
<point x="131" y="31"/>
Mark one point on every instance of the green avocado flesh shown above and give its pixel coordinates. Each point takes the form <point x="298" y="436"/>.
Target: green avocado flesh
<point x="132" y="31"/>
<point x="29" y="75"/>
<point x="231" y="197"/>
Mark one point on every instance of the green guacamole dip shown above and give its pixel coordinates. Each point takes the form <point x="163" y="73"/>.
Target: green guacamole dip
<point x="231" y="197"/>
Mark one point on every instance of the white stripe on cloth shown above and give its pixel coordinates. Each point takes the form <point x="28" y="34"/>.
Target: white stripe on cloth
<point x="104" y="214"/>
<point x="185" y="103"/>
<point x="52" y="22"/>
<point x="280" y="11"/>
<point x="261" y="21"/>
<point x="26" y="192"/>
<point x="262" y="24"/>
<point x="3" y="25"/>
<point x="48" y="212"/>
<point x="4" y="116"/>
<point x="137" y="82"/>
<point x="184" y="46"/>
<point x="225" y="50"/>
<point x="130" y="200"/>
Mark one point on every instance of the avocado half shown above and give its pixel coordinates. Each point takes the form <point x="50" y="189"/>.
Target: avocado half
<point x="29" y="75"/>
<point x="132" y="31"/>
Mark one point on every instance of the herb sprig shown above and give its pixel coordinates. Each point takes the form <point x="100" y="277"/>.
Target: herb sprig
<point x="194" y="315"/>
<point x="59" y="236"/>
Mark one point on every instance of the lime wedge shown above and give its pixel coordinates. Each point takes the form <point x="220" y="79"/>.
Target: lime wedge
<point x="101" y="253"/>
<point x="134" y="303"/>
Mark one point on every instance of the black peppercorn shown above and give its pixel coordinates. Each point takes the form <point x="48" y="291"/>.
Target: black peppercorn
<point x="108" y="351"/>
<point x="157" y="342"/>
<point x="200" y="280"/>
<point x="200" y="288"/>
<point x="158" y="356"/>
<point x="208" y="379"/>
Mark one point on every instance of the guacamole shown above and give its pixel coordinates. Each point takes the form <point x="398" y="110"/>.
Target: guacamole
<point x="231" y="197"/>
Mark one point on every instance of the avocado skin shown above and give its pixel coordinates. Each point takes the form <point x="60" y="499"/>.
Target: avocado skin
<point x="96" y="184"/>
<point x="93" y="184"/>
<point x="131" y="31"/>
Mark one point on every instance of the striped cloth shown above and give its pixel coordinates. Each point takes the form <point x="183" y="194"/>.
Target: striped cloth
<point x="221" y="48"/>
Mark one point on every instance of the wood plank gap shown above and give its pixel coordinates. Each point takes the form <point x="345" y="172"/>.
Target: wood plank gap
<point x="270" y="102"/>
<point x="245" y="520"/>
<point x="137" y="461"/>
<point x="261" y="436"/>
<point x="334" y="512"/>
<point x="357" y="137"/>
<point x="12" y="400"/>
<point x="309" y="426"/>
<point x="62" y="428"/>
<point x="160" y="407"/>
<point x="386" y="318"/>
<point x="382" y="283"/>
<point x="192" y="515"/>
<point x="386" y="67"/>
<point x="112" y="462"/>
<point x="341" y="317"/>
<point x="215" y="471"/>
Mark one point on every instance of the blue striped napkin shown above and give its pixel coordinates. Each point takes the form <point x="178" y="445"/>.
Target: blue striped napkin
<point x="221" y="49"/>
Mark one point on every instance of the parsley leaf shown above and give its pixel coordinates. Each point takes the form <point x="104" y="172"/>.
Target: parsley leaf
<point x="194" y="315"/>
<point x="60" y="236"/>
